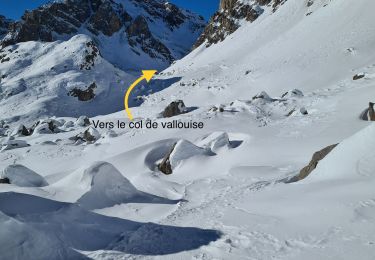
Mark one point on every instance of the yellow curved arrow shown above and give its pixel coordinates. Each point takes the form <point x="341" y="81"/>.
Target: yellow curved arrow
<point x="147" y="75"/>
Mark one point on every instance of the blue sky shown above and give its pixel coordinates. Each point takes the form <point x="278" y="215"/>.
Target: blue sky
<point x="15" y="8"/>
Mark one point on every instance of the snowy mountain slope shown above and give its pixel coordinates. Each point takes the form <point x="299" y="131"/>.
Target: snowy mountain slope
<point x="286" y="49"/>
<point x="270" y="94"/>
<point x="130" y="34"/>
<point x="68" y="78"/>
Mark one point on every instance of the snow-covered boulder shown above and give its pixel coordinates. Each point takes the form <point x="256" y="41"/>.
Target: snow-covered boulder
<point x="295" y="93"/>
<point x="10" y="143"/>
<point x="68" y="124"/>
<point x="181" y="151"/>
<point x="217" y="108"/>
<point x="215" y="141"/>
<point x="42" y="128"/>
<point x="110" y="134"/>
<point x="91" y="135"/>
<point x="24" y="177"/>
<point x="47" y="126"/>
<point x="20" y="130"/>
<point x="303" y="111"/>
<point x="83" y="121"/>
<point x="263" y="96"/>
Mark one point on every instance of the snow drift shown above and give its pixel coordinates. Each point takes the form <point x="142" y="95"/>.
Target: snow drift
<point x="352" y="159"/>
<point x="108" y="187"/>
<point x="22" y="176"/>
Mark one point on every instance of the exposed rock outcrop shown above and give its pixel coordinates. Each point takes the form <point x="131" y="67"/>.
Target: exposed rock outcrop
<point x="294" y="93"/>
<point x="58" y="20"/>
<point x="91" y="54"/>
<point x="4" y="181"/>
<point x="227" y="20"/>
<point x="85" y="94"/>
<point x="317" y="157"/>
<point x="165" y="165"/>
<point x="20" y="130"/>
<point x="4" y="26"/>
<point x="61" y="18"/>
<point x="263" y="96"/>
<point x="140" y="35"/>
<point x="303" y="111"/>
<point x="90" y="135"/>
<point x="369" y="113"/>
<point x="174" y="109"/>
<point x="358" y="76"/>
<point x="48" y="126"/>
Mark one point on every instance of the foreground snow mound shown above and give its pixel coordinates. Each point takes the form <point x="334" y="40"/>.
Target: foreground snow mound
<point x="351" y="159"/>
<point x="9" y="144"/>
<point x="215" y="141"/>
<point x="47" y="229"/>
<point x="184" y="150"/>
<point x="109" y="187"/>
<point x="22" y="176"/>
<point x="29" y="240"/>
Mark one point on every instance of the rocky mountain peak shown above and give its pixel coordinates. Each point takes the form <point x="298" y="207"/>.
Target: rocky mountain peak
<point x="226" y="21"/>
<point x="4" y="25"/>
<point x="146" y="25"/>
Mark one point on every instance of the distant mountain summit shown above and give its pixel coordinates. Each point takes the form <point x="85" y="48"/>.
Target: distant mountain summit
<point x="231" y="12"/>
<point x="128" y="32"/>
<point x="4" y="26"/>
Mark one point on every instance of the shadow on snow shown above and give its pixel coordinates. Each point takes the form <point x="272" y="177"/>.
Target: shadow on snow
<point x="69" y="227"/>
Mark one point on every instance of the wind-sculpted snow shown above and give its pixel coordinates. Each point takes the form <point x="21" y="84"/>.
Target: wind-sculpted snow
<point x="351" y="159"/>
<point x="55" y="230"/>
<point x="108" y="188"/>
<point x="184" y="150"/>
<point x="21" y="176"/>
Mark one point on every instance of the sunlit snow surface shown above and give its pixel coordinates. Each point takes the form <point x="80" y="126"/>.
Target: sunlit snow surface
<point x="107" y="200"/>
